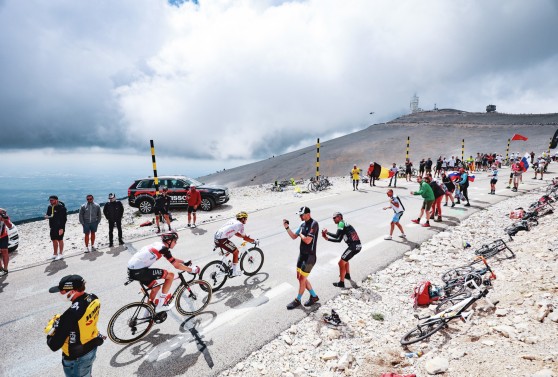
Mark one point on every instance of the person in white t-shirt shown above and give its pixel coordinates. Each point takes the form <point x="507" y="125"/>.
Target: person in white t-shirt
<point x="223" y="236"/>
<point x="395" y="204"/>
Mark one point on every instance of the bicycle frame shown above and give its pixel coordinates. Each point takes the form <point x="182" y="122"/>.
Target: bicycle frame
<point x="243" y="249"/>
<point x="146" y="289"/>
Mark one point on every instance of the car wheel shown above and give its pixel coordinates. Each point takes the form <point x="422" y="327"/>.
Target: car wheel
<point x="207" y="204"/>
<point x="145" y="206"/>
<point x="12" y="249"/>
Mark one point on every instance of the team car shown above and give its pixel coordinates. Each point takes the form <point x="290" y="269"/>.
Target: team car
<point x="141" y="193"/>
<point x="13" y="241"/>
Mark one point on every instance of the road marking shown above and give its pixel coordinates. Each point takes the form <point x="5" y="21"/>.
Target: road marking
<point x="231" y="316"/>
<point x="366" y="246"/>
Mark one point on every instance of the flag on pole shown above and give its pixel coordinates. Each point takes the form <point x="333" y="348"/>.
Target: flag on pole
<point x="518" y="137"/>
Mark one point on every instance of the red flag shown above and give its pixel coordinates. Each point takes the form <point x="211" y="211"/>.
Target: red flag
<point x="518" y="137"/>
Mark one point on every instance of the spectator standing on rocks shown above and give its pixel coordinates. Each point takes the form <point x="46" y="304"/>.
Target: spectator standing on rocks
<point x="370" y="174"/>
<point x="408" y="170"/>
<point x="493" y="179"/>
<point x="355" y="172"/>
<point x="428" y="199"/>
<point x="194" y="200"/>
<point x="75" y="331"/>
<point x="57" y="217"/>
<point x="308" y="232"/>
<point x="5" y="225"/>
<point x="162" y="206"/>
<point x="89" y="218"/>
<point x="345" y="232"/>
<point x="398" y="210"/>
<point x="114" y="211"/>
<point x="395" y="170"/>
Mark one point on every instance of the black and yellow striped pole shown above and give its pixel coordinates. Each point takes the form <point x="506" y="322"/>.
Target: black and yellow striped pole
<point x="463" y="152"/>
<point x="408" y="145"/>
<point x="154" y="167"/>
<point x="508" y="150"/>
<point x="318" y="159"/>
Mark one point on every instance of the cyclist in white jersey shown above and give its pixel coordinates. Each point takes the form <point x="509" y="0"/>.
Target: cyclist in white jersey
<point x="223" y="236"/>
<point x="138" y="268"/>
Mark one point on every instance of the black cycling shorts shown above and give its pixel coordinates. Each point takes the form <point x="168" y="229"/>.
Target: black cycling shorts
<point x="147" y="275"/>
<point x="493" y="181"/>
<point x="55" y="236"/>
<point x="161" y="211"/>
<point x="192" y="209"/>
<point x="4" y="243"/>
<point x="225" y="244"/>
<point x="305" y="264"/>
<point x="351" y="251"/>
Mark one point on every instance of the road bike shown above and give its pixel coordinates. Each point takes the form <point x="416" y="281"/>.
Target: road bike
<point x="431" y="324"/>
<point x="458" y="279"/>
<point x="494" y="248"/>
<point x="318" y="184"/>
<point x="134" y="320"/>
<point x="218" y="271"/>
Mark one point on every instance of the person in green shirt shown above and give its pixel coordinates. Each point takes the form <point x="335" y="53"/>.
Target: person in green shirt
<point x="428" y="195"/>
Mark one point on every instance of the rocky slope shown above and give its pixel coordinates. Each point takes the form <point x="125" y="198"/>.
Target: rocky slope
<point x="517" y="338"/>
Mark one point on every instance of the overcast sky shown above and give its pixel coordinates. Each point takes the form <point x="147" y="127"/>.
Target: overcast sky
<point x="221" y="82"/>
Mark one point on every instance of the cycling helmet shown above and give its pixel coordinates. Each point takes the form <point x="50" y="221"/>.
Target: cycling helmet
<point x="241" y="215"/>
<point x="303" y="210"/>
<point x="170" y="236"/>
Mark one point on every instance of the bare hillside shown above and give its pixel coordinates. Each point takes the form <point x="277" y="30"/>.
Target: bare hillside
<point x="432" y="134"/>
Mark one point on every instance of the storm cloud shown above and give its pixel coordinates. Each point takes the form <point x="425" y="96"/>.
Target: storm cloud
<point x="226" y="79"/>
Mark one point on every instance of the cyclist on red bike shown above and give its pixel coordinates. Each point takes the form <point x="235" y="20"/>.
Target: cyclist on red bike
<point x="138" y="269"/>
<point x="223" y="236"/>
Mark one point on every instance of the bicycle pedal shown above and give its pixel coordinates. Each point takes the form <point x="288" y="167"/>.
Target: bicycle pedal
<point x="160" y="317"/>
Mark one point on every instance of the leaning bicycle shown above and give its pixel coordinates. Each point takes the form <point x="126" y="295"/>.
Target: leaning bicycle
<point x="218" y="271"/>
<point x="133" y="321"/>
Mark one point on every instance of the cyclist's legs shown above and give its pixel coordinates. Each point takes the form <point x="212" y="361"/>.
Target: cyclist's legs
<point x="229" y="247"/>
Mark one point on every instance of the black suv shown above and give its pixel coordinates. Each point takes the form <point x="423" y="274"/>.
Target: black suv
<point x="141" y="193"/>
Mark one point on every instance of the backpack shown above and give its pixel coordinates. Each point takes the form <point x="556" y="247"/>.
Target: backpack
<point x="424" y="294"/>
<point x="400" y="202"/>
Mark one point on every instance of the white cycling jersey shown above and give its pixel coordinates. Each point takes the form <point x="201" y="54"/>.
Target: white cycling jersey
<point x="148" y="255"/>
<point x="229" y="230"/>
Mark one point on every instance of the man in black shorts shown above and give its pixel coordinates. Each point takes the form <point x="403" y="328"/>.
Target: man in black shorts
<point x="345" y="232"/>
<point x="162" y="205"/>
<point x="57" y="216"/>
<point x="308" y="232"/>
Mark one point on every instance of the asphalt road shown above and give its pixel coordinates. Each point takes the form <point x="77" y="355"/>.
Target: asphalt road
<point x="244" y="315"/>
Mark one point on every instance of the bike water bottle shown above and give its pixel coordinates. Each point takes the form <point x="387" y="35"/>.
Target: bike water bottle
<point x="414" y="354"/>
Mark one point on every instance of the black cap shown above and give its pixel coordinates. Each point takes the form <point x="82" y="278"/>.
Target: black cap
<point x="68" y="283"/>
<point x="303" y="210"/>
<point x="53" y="197"/>
<point x="111" y="196"/>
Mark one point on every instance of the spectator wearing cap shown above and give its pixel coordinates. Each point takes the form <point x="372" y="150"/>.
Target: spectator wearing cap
<point x="464" y="185"/>
<point x="114" y="211"/>
<point x="370" y="174"/>
<point x="75" y="331"/>
<point x="57" y="217"/>
<point x="5" y="224"/>
<point x="308" y="231"/>
<point x="90" y="217"/>
<point x="194" y="200"/>
<point x="516" y="173"/>
<point x="355" y="173"/>
<point x="395" y="170"/>
<point x="162" y="206"/>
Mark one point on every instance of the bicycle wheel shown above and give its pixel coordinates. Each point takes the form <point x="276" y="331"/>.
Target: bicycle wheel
<point x="312" y="187"/>
<point x="215" y="273"/>
<point x="252" y="261"/>
<point x="456" y="273"/>
<point x="130" y="323"/>
<point x="448" y="302"/>
<point x="423" y="331"/>
<point x="193" y="297"/>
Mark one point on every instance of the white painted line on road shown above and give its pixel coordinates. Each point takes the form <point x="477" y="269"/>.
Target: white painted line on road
<point x="366" y="246"/>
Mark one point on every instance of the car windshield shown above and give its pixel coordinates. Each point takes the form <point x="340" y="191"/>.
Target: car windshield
<point x="195" y="182"/>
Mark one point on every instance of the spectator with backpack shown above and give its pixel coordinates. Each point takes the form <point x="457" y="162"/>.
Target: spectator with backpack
<point x="398" y="209"/>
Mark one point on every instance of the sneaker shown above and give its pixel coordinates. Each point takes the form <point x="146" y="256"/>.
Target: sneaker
<point x="467" y="205"/>
<point x="445" y="204"/>
<point x="53" y="256"/>
<point x="93" y="248"/>
<point x="87" y="249"/>
<point x="339" y="284"/>
<point x="403" y="235"/>
<point x="415" y="221"/>
<point x="387" y="238"/>
<point x="439" y="218"/>
<point x="508" y="187"/>
<point x="294" y="304"/>
<point x="193" y="225"/>
<point x="189" y="225"/>
<point x="120" y="242"/>
<point x="158" y="230"/>
<point x="58" y="257"/>
<point x="426" y="224"/>
<point x="164" y="308"/>
<point x="3" y="272"/>
<point x="347" y="276"/>
<point x="311" y="301"/>
<point x="111" y="244"/>
<point x="453" y="204"/>
<point x="236" y="273"/>
<point x="332" y="319"/>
